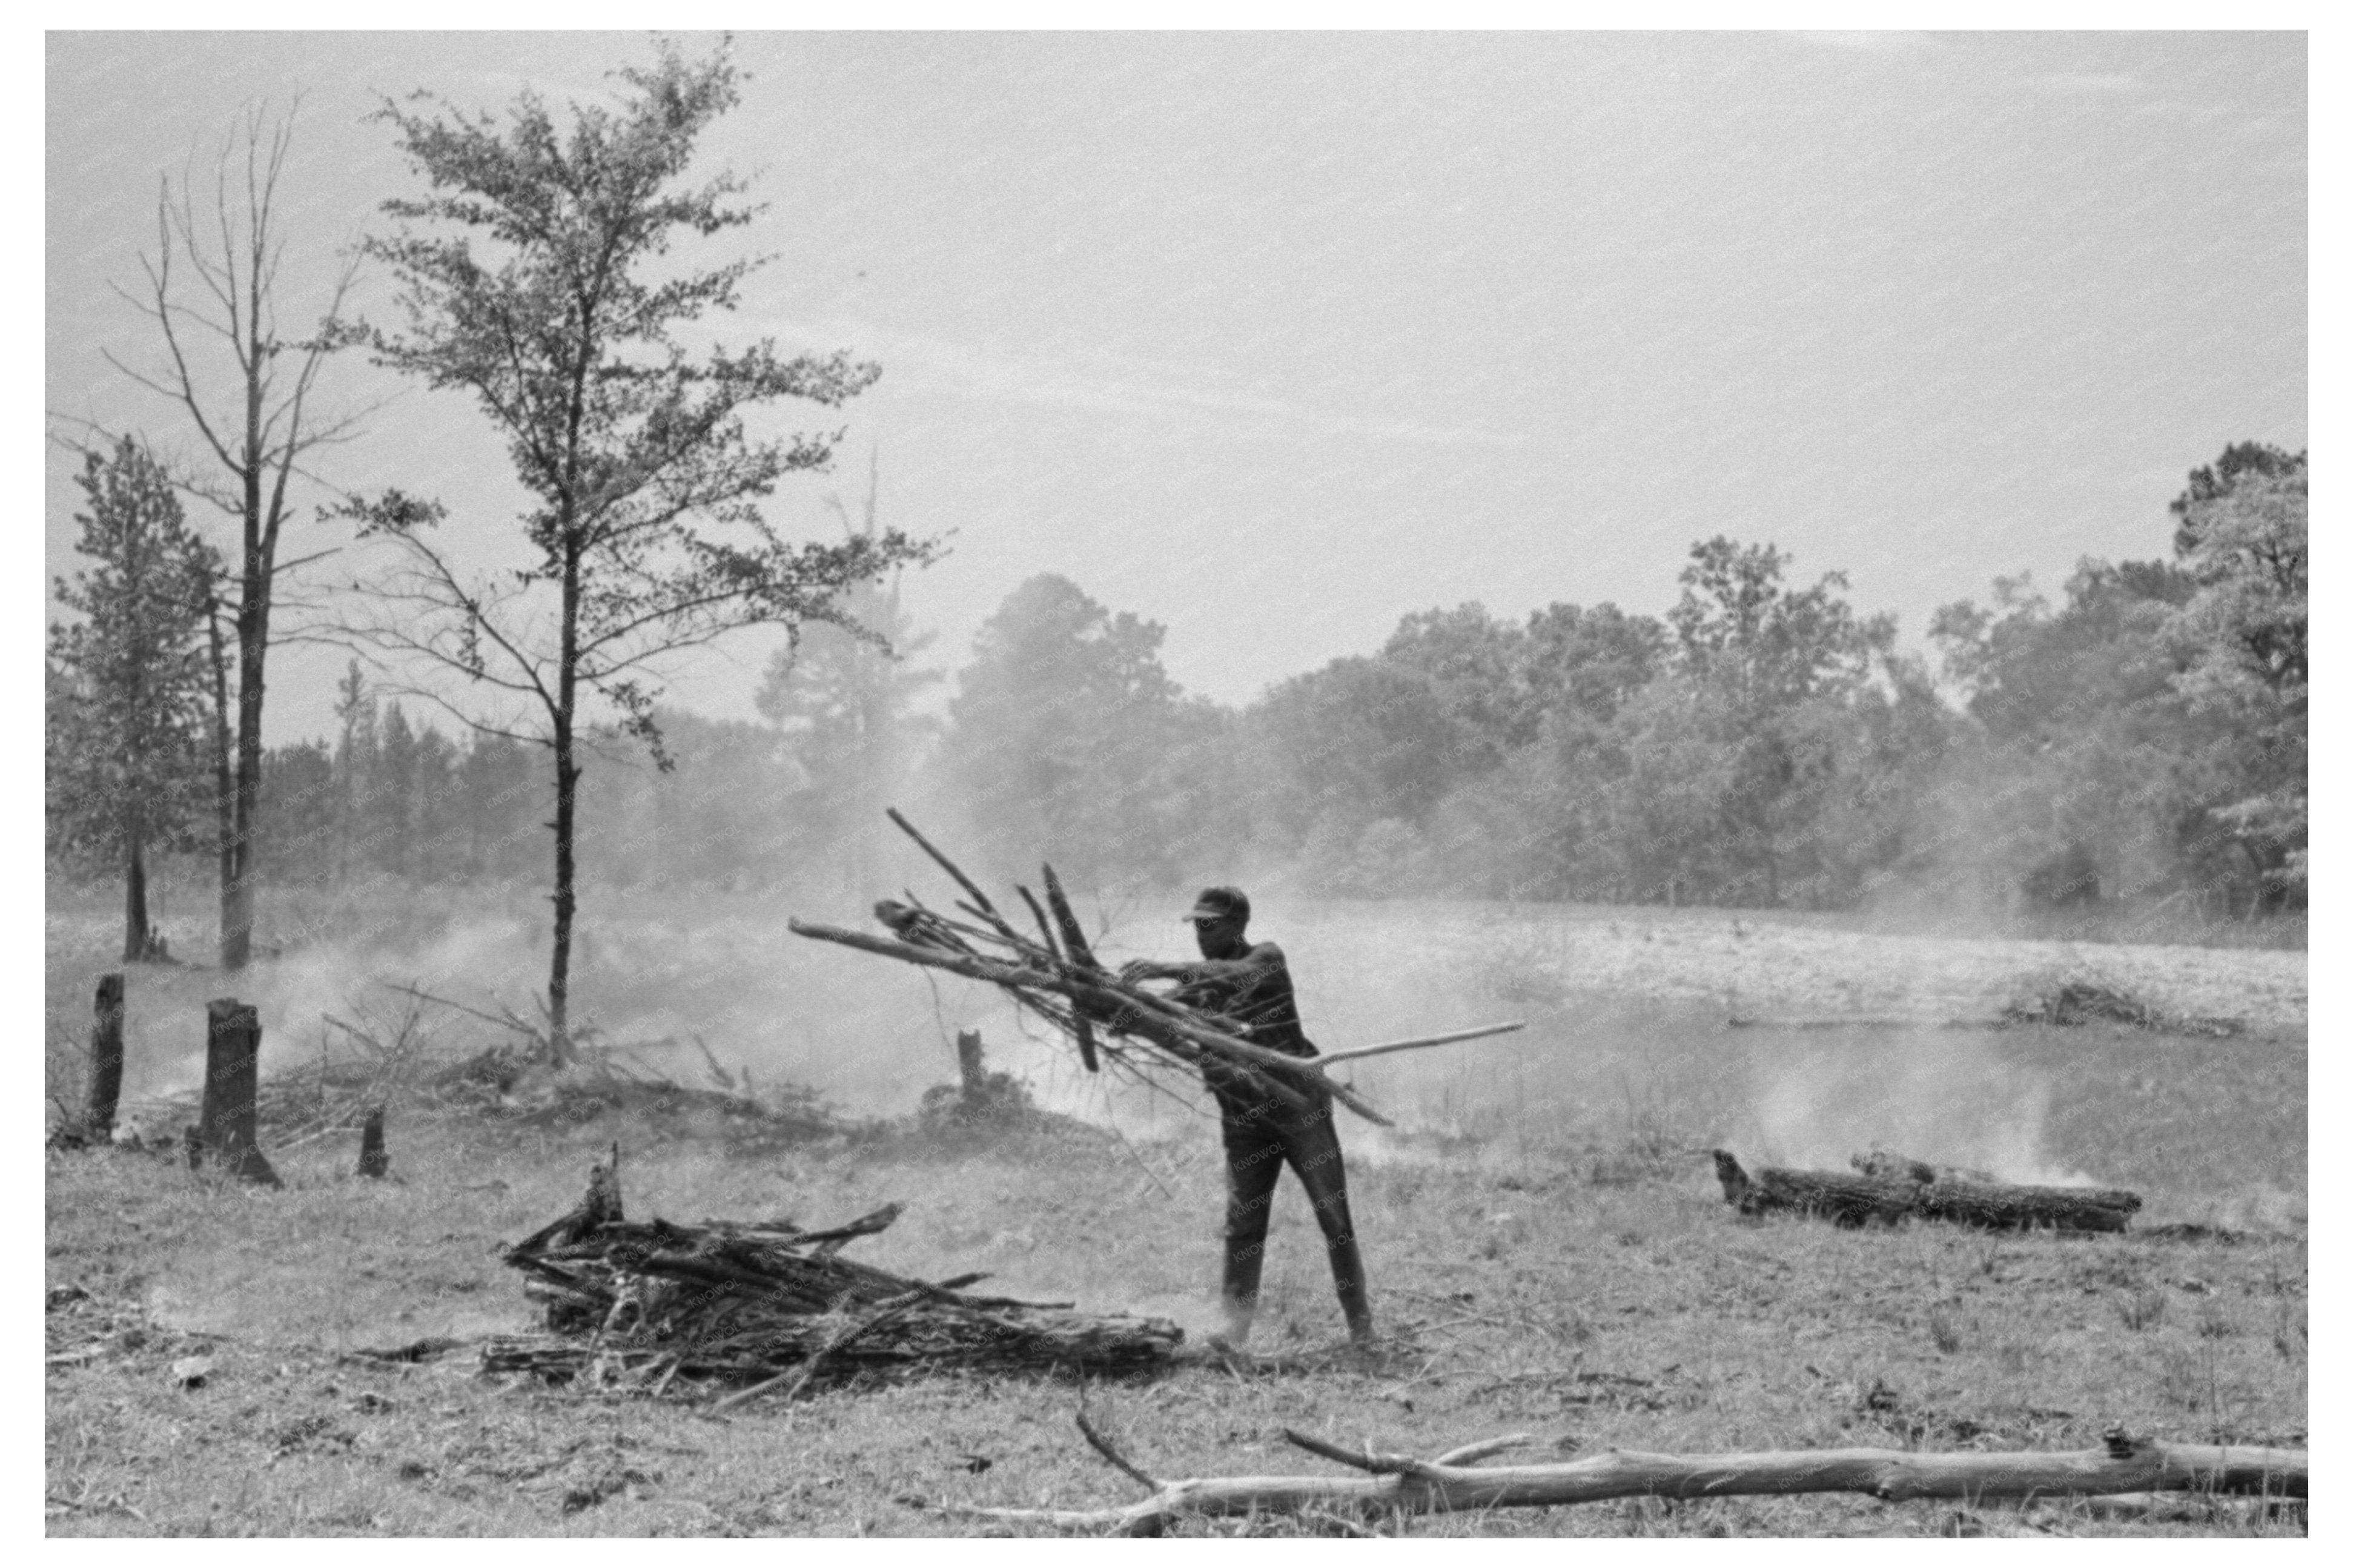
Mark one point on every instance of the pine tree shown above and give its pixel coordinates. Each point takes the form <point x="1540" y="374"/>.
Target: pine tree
<point x="127" y="768"/>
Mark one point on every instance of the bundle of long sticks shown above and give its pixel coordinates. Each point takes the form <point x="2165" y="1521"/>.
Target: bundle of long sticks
<point x="769" y="1307"/>
<point x="1054" y="973"/>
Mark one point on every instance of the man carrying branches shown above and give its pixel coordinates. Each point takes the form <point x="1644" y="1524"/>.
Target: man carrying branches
<point x="1249" y="985"/>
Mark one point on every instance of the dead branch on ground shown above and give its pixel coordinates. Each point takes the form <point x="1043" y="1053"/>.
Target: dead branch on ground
<point x="1455" y="1481"/>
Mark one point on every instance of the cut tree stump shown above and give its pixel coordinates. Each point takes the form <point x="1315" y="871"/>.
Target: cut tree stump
<point x="373" y="1160"/>
<point x="95" y="1124"/>
<point x="1855" y="1200"/>
<point x="969" y="1067"/>
<point x="105" y="1060"/>
<point x="1454" y="1482"/>
<point x="224" y="1131"/>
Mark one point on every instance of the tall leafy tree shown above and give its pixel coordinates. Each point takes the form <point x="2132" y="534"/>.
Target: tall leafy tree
<point x="247" y="380"/>
<point x="2246" y="630"/>
<point x="537" y="276"/>
<point x="1764" y="652"/>
<point x="2212" y="481"/>
<point x="1478" y="667"/>
<point x="125" y="752"/>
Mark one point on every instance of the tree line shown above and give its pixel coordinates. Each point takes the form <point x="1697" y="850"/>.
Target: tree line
<point x="1757" y="743"/>
<point x="2141" y="742"/>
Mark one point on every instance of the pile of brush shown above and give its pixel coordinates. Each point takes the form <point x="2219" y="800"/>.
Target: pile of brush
<point x="1054" y="975"/>
<point x="2082" y="1001"/>
<point x="760" y="1306"/>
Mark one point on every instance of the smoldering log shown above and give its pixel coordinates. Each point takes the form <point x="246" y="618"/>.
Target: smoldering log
<point x="2002" y="1206"/>
<point x="1827" y="1195"/>
<point x="1855" y="1200"/>
<point x="1454" y="1482"/>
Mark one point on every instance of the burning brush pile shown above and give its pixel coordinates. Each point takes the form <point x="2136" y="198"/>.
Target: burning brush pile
<point x="1053" y="973"/>
<point x="764" y="1306"/>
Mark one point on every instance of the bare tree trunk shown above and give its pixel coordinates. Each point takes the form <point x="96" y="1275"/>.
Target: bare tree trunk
<point x="559" y="973"/>
<point x="567" y="784"/>
<point x="224" y="773"/>
<point x="237" y="890"/>
<point x="135" y="892"/>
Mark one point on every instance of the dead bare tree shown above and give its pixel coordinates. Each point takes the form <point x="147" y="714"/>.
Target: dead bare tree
<point x="211" y="289"/>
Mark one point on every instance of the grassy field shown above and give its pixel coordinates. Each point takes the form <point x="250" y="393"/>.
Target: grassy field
<point x="1549" y="1252"/>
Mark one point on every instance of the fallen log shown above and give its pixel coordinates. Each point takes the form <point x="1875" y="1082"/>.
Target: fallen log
<point x="1858" y="1199"/>
<point x="1454" y="1482"/>
<point x="1827" y="1195"/>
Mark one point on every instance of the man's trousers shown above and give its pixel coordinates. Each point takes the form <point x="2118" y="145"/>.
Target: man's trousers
<point x="1260" y="1137"/>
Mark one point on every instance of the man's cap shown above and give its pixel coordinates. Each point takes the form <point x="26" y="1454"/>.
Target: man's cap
<point x="1217" y="903"/>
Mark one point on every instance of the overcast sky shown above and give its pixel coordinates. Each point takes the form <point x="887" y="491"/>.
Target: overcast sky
<point x="1275" y="339"/>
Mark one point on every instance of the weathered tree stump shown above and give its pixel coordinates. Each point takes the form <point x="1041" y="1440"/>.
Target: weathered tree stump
<point x="105" y="1061"/>
<point x="95" y="1125"/>
<point x="968" y="1066"/>
<point x="224" y="1132"/>
<point x="373" y="1162"/>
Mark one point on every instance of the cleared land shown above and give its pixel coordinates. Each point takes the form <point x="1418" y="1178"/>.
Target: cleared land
<point x="1550" y="1252"/>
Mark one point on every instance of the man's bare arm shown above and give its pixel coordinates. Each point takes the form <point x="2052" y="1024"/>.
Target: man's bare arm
<point x="1261" y="956"/>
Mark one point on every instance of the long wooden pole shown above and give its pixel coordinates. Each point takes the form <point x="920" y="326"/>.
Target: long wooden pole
<point x="1454" y="1483"/>
<point x="1332" y="1057"/>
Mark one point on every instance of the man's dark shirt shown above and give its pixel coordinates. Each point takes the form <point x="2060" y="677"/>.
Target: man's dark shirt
<point x="1263" y="1000"/>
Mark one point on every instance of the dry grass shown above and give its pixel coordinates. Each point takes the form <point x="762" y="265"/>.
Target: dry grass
<point x="1545" y="1258"/>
